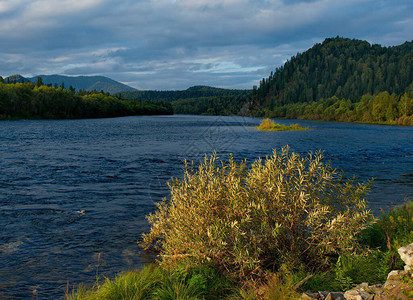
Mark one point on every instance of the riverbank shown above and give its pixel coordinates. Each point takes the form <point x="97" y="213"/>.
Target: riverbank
<point x="354" y="276"/>
<point x="274" y="261"/>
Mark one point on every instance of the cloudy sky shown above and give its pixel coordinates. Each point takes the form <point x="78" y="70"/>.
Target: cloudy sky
<point x="175" y="44"/>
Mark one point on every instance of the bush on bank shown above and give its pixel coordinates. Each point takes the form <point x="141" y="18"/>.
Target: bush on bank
<point x="247" y="221"/>
<point x="284" y="191"/>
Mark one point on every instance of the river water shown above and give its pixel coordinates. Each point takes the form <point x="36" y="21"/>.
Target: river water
<point x="74" y="193"/>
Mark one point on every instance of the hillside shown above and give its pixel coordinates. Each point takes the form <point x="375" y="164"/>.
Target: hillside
<point x="87" y="83"/>
<point x="197" y="100"/>
<point x="341" y="80"/>
<point x="199" y="91"/>
<point x="338" y="67"/>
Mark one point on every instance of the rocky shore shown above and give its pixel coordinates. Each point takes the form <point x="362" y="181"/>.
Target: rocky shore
<point x="399" y="285"/>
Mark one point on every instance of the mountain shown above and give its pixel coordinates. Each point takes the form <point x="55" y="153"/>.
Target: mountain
<point x="341" y="67"/>
<point x="88" y="83"/>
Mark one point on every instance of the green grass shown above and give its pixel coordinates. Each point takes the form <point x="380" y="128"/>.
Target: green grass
<point x="155" y="282"/>
<point x="268" y="125"/>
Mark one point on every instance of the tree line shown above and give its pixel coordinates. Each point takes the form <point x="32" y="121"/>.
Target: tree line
<point x="29" y="100"/>
<point x="383" y="108"/>
<point x="190" y="93"/>
<point x="214" y="105"/>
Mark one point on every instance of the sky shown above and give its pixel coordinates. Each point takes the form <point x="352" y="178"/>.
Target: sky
<point x="176" y="44"/>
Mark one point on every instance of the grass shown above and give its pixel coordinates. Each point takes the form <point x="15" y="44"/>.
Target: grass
<point x="155" y="282"/>
<point x="269" y="125"/>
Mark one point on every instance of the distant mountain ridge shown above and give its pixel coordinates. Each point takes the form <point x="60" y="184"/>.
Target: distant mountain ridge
<point x="88" y="83"/>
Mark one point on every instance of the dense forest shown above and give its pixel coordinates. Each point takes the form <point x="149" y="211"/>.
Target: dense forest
<point x="214" y="105"/>
<point x="190" y="93"/>
<point x="198" y="100"/>
<point x="29" y="100"/>
<point x="341" y="80"/>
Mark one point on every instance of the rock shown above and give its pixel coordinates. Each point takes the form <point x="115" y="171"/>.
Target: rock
<point x="399" y="285"/>
<point x="406" y="254"/>
<point x="309" y="296"/>
<point x="323" y="295"/>
<point x="357" y="294"/>
<point x="394" y="279"/>
<point x="335" y="296"/>
<point x="364" y="286"/>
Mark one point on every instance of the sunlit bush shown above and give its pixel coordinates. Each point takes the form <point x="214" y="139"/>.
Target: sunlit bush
<point x="269" y="125"/>
<point x="286" y="209"/>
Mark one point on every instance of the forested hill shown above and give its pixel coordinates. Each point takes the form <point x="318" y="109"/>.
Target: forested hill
<point x="340" y="70"/>
<point x="199" y="91"/>
<point x="339" y="67"/>
<point x="197" y="100"/>
<point x="87" y="83"/>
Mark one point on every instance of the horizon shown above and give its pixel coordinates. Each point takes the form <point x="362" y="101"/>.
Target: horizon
<point x="195" y="85"/>
<point x="173" y="45"/>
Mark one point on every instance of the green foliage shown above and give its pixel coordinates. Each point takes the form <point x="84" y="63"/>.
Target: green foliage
<point x="335" y="81"/>
<point x="194" y="92"/>
<point x="203" y="282"/>
<point x="286" y="209"/>
<point x="269" y="125"/>
<point x="391" y="231"/>
<point x="339" y="67"/>
<point x="213" y="105"/>
<point x="26" y="100"/>
<point x="132" y="285"/>
<point x="154" y="282"/>
<point x="381" y="108"/>
<point x="197" y="100"/>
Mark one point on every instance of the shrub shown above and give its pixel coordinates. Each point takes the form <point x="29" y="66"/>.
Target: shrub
<point x="268" y="125"/>
<point x="286" y="209"/>
<point x="392" y="230"/>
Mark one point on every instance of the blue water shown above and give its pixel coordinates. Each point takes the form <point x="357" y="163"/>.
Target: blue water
<point x="117" y="169"/>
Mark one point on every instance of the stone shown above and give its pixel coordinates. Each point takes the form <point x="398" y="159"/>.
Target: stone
<point x="363" y="286"/>
<point x="357" y="294"/>
<point x="394" y="279"/>
<point x="309" y="296"/>
<point x="335" y="296"/>
<point x="406" y="254"/>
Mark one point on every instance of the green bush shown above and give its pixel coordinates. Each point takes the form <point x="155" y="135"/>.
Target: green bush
<point x="268" y="125"/>
<point x="286" y="209"/>
<point x="391" y="231"/>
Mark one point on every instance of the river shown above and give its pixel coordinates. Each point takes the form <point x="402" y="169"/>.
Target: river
<point x="74" y="193"/>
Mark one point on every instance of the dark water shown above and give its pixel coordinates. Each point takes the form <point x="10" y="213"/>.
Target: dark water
<point x="116" y="170"/>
